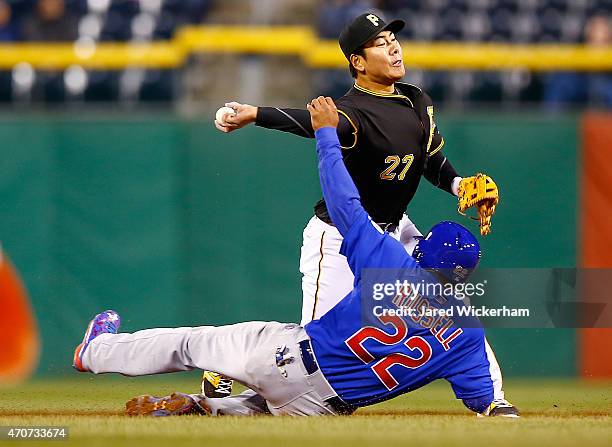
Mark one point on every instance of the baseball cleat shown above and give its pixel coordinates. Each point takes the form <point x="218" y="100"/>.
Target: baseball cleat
<point x="177" y="404"/>
<point x="215" y="385"/>
<point x="501" y="408"/>
<point x="107" y="322"/>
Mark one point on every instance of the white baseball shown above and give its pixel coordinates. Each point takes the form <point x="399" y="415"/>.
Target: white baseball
<point x="222" y="113"/>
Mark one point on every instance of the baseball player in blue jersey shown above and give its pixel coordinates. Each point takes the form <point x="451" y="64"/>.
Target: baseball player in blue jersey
<point x="332" y="365"/>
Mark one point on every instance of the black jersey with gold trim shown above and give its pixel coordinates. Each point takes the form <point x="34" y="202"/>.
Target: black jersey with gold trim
<point x="389" y="142"/>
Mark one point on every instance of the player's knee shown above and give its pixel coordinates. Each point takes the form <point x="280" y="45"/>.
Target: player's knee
<point x="479" y="404"/>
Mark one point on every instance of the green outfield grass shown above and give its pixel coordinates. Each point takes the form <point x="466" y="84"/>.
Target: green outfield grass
<point x="556" y="413"/>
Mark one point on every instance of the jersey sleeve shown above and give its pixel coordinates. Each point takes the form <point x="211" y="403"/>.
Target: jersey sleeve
<point x="437" y="142"/>
<point x="440" y="172"/>
<point x="471" y="377"/>
<point x="297" y="122"/>
<point x="366" y="246"/>
<point x="339" y="190"/>
<point x="348" y="114"/>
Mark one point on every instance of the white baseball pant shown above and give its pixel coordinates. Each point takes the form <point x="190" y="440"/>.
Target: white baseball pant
<point x="245" y="352"/>
<point x="327" y="277"/>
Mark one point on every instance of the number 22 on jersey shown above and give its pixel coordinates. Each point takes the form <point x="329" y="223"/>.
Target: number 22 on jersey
<point x="382" y="367"/>
<point x="394" y="161"/>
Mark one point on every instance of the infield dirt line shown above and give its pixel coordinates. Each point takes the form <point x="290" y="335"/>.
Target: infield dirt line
<point x="526" y="414"/>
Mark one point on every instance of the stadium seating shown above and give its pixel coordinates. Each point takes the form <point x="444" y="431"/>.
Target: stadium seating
<point x="505" y="21"/>
<point x="99" y="21"/>
<point x="512" y="21"/>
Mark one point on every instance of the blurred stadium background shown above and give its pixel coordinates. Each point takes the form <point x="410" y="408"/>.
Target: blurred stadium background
<point x="117" y="192"/>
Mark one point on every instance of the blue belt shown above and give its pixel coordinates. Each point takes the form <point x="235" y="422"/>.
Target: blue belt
<point x="311" y="365"/>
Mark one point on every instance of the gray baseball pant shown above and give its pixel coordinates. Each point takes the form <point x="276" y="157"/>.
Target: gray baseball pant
<point x="246" y="352"/>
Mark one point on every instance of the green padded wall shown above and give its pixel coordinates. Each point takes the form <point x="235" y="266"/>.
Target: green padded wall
<point x="173" y="223"/>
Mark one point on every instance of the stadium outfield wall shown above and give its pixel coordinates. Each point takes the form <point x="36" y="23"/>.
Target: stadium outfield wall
<point x="173" y="223"/>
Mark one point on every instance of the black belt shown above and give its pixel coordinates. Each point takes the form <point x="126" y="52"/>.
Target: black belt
<point x="311" y="365"/>
<point x="389" y="227"/>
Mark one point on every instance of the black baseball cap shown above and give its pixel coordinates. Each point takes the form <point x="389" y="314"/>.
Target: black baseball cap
<point x="365" y="28"/>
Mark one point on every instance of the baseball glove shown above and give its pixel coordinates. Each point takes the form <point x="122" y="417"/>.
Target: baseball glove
<point x="479" y="191"/>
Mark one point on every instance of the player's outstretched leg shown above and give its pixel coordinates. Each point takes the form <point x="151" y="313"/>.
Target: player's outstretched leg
<point x="164" y="350"/>
<point x="241" y="351"/>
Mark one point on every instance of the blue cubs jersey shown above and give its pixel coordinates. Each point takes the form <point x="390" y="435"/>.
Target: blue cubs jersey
<point x="369" y="361"/>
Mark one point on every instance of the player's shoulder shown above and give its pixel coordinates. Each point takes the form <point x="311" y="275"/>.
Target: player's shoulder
<point x="416" y="94"/>
<point x="350" y="108"/>
<point x="347" y="101"/>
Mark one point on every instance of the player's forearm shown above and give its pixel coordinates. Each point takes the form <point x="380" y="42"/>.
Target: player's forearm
<point x="339" y="190"/>
<point x="295" y="121"/>
<point x="440" y="172"/>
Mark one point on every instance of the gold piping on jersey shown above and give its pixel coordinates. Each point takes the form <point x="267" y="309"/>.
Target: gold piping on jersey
<point x="316" y="297"/>
<point x="383" y="95"/>
<point x="354" y="129"/>
<point x="432" y="127"/>
<point x="438" y="148"/>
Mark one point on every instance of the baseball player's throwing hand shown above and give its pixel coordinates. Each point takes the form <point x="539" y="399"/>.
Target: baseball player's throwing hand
<point x="244" y="114"/>
<point x="323" y="113"/>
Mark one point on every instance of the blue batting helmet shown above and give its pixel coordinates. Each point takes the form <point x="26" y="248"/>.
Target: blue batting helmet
<point x="449" y="249"/>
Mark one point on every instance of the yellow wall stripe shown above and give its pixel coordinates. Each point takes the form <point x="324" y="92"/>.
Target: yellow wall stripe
<point x="103" y="56"/>
<point x="300" y="42"/>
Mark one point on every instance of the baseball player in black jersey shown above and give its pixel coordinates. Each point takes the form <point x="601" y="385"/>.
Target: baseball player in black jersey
<point x="389" y="140"/>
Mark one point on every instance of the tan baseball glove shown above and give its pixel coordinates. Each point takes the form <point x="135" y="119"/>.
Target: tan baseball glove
<point x="479" y="191"/>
